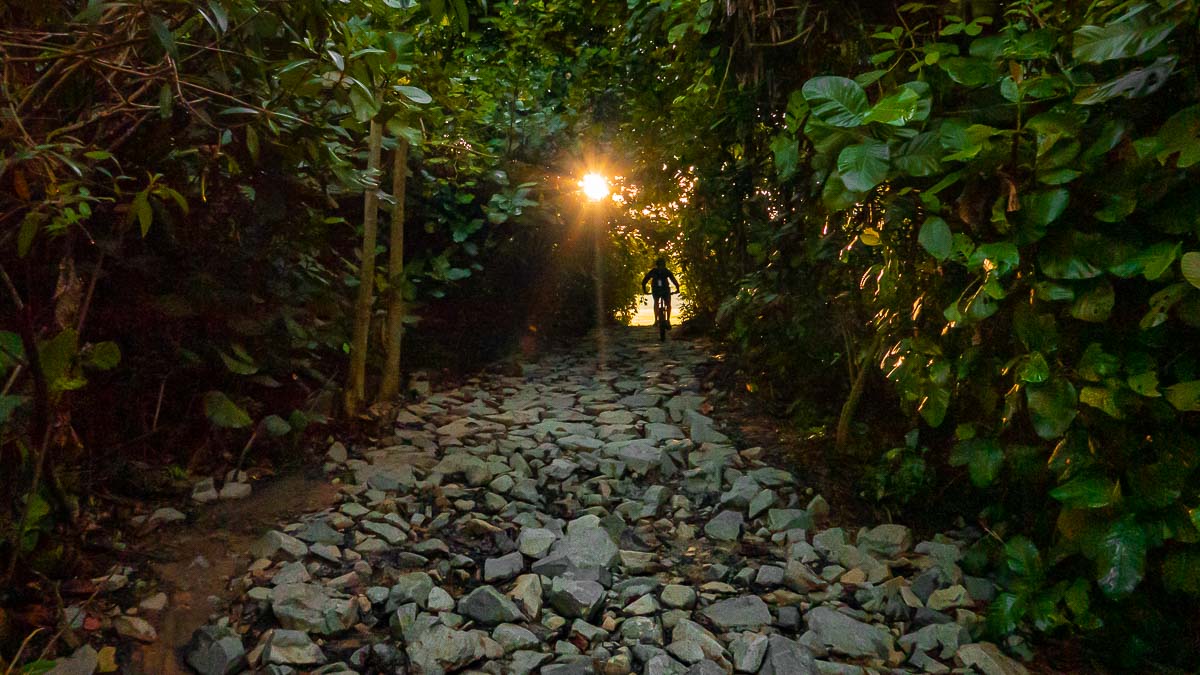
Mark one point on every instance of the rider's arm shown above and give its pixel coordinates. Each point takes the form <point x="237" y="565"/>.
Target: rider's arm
<point x="646" y="279"/>
<point x="671" y="276"/>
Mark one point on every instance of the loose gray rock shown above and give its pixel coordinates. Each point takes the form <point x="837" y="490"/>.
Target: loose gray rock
<point x="847" y="635"/>
<point x="748" y="651"/>
<point x="292" y="648"/>
<point x="787" y="657"/>
<point x="313" y="609"/>
<point x="744" y="612"/>
<point x="726" y="526"/>
<point x="275" y="542"/>
<point x="503" y="568"/>
<point x="487" y="606"/>
<point x="215" y="651"/>
<point x="678" y="597"/>
<point x="988" y="659"/>
<point x="576" y="598"/>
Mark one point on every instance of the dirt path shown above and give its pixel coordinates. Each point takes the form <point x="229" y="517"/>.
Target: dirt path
<point x="196" y="562"/>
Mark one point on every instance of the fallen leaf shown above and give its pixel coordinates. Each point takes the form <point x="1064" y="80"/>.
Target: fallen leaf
<point x="107" y="659"/>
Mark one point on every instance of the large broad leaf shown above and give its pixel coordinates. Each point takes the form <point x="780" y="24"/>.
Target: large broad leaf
<point x="1043" y="208"/>
<point x="983" y="458"/>
<point x="934" y="405"/>
<point x="1150" y="262"/>
<point x="1131" y="34"/>
<point x="919" y="156"/>
<point x="864" y="165"/>
<point x="1189" y="265"/>
<point x="969" y="71"/>
<point x="836" y="100"/>
<point x="1185" y="396"/>
<point x="1052" y="407"/>
<point x="1136" y="83"/>
<point x="787" y="155"/>
<point x="414" y="94"/>
<point x="909" y="103"/>
<point x="997" y="257"/>
<point x="223" y="412"/>
<point x="1122" y="558"/>
<point x="1095" y="304"/>
<point x="935" y="237"/>
<point x="1087" y="491"/>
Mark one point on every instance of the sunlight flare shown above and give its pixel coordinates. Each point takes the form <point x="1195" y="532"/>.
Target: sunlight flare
<point x="594" y="186"/>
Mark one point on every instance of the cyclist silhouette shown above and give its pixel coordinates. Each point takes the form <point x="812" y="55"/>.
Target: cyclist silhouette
<point x="660" y="279"/>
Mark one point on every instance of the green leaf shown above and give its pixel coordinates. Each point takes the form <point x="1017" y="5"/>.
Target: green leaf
<point x="276" y="426"/>
<point x="1043" y="208"/>
<point x="1189" y="266"/>
<point x="1052" y="407"/>
<point x="1129" y="35"/>
<point x="864" y="165"/>
<point x="936" y="238"/>
<point x="1022" y="557"/>
<point x="57" y="356"/>
<point x="414" y="94"/>
<point x="103" y="356"/>
<point x="140" y="209"/>
<point x="223" y="412"/>
<point x="1087" y="491"/>
<point x="1095" y="304"/>
<point x="29" y="230"/>
<point x="998" y="258"/>
<point x="1121" y="562"/>
<point x="9" y="405"/>
<point x="1145" y="384"/>
<point x="919" y="156"/>
<point x="1102" y="398"/>
<point x="933" y="406"/>
<point x="787" y="155"/>
<point x="1185" y="396"/>
<point x="12" y="350"/>
<point x="898" y="109"/>
<point x="1005" y="613"/>
<point x="983" y="458"/>
<point x="1137" y="83"/>
<point x="838" y="101"/>
<point x="163" y="34"/>
<point x="1150" y="262"/>
<point x="1035" y="369"/>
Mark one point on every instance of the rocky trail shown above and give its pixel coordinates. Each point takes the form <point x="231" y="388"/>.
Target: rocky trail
<point x="586" y="516"/>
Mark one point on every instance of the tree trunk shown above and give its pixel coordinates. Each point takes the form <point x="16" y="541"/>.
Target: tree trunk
<point x="850" y="407"/>
<point x="356" y="385"/>
<point x="390" y="386"/>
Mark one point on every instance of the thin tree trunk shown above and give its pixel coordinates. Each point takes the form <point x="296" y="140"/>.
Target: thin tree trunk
<point x="850" y="407"/>
<point x="356" y="385"/>
<point x="390" y="386"/>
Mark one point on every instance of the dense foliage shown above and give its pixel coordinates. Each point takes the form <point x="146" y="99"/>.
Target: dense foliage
<point x="996" y="206"/>
<point x="183" y="218"/>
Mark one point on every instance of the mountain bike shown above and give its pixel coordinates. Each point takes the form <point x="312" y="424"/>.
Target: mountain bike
<point x="662" y="316"/>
